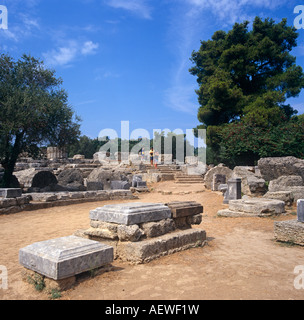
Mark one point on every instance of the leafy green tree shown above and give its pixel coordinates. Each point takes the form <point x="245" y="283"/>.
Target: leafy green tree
<point x="245" y="76"/>
<point x="85" y="146"/>
<point x="34" y="111"/>
<point x="243" y="143"/>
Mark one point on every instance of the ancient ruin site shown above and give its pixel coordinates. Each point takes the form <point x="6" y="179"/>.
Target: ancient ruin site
<point x="151" y="153"/>
<point x="91" y="230"/>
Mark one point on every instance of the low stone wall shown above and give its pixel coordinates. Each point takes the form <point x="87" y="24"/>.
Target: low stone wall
<point x="36" y="201"/>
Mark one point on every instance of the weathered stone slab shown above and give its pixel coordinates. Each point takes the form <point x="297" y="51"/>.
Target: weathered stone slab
<point x="131" y="213"/>
<point x="94" y="185"/>
<point x="136" y="179"/>
<point x="159" y="228"/>
<point x="185" y="208"/>
<point x="220" y="169"/>
<point x="297" y="192"/>
<point x="218" y="179"/>
<point x="141" y="184"/>
<point x="44" y="197"/>
<point x="120" y="185"/>
<point x="257" y="206"/>
<point x="65" y="257"/>
<point x="285" y="196"/>
<point x="11" y="193"/>
<point x="284" y="183"/>
<point x="289" y="231"/>
<point x="148" y="250"/>
<point x="300" y="210"/>
<point x="234" y="190"/>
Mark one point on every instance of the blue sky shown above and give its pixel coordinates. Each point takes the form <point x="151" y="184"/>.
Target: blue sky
<point x="128" y="60"/>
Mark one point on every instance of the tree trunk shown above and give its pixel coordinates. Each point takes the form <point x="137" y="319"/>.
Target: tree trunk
<point x="9" y="163"/>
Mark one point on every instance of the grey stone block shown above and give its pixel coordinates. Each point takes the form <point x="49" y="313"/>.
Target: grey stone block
<point x="148" y="250"/>
<point x="135" y="180"/>
<point x="131" y="213"/>
<point x="285" y="196"/>
<point x="218" y="179"/>
<point x="120" y="185"/>
<point x="234" y="190"/>
<point x="94" y="185"/>
<point x="300" y="210"/>
<point x="129" y="233"/>
<point x="65" y="257"/>
<point x="11" y="193"/>
<point x="258" y="207"/>
<point x="141" y="184"/>
<point x="159" y="228"/>
<point x="185" y="208"/>
<point x="289" y="231"/>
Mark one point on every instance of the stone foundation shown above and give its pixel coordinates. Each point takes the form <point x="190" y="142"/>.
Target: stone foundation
<point x="146" y="251"/>
<point x="48" y="284"/>
<point x="141" y="232"/>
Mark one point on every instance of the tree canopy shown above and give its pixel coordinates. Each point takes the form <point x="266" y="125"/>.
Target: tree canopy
<point x="246" y="75"/>
<point x="34" y="110"/>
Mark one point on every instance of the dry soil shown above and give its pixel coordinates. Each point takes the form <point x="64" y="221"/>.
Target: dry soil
<point x="241" y="259"/>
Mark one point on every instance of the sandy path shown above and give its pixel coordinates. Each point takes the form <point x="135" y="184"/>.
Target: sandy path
<point x="241" y="260"/>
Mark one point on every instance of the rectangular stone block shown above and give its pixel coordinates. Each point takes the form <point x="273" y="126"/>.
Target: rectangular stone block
<point x="65" y="257"/>
<point x="120" y="185"/>
<point x="94" y="185"/>
<point x="291" y="231"/>
<point x="141" y="184"/>
<point x="131" y="213"/>
<point x="218" y="179"/>
<point x="136" y="179"/>
<point x="234" y="190"/>
<point x="148" y="250"/>
<point x="185" y="208"/>
<point x="300" y="210"/>
<point x="257" y="206"/>
<point x="10" y="193"/>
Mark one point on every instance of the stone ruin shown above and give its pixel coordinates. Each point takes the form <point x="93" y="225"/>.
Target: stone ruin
<point x="291" y="231"/>
<point x="254" y="207"/>
<point x="141" y="232"/>
<point x="133" y="232"/>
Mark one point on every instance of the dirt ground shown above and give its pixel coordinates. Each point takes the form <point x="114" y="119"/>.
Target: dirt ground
<point x="240" y="261"/>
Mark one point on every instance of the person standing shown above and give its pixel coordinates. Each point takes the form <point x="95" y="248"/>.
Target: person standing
<point x="151" y="156"/>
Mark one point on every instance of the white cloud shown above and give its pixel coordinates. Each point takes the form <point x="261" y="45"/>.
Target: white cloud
<point x="231" y="11"/>
<point x="138" y="7"/>
<point x="89" y="47"/>
<point x="187" y="27"/>
<point x="67" y="54"/>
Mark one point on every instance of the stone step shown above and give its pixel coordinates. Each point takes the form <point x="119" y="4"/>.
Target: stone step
<point x="148" y="250"/>
<point x="188" y="178"/>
